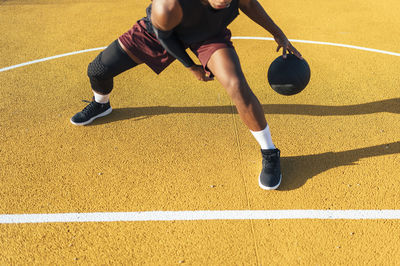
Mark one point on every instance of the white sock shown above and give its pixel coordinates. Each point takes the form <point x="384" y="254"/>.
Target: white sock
<point x="100" y="98"/>
<point x="263" y="137"/>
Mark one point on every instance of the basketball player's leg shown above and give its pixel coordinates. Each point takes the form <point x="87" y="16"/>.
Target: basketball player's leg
<point x="108" y="64"/>
<point x="225" y="65"/>
<point x="101" y="72"/>
<point x="134" y="47"/>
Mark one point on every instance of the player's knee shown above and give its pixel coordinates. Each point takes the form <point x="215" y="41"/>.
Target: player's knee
<point x="97" y="69"/>
<point x="100" y="77"/>
<point x="110" y="63"/>
<point x="239" y="90"/>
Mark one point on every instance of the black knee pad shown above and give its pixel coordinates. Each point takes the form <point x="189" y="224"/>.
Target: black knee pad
<point x="97" y="69"/>
<point x="108" y="64"/>
<point x="99" y="76"/>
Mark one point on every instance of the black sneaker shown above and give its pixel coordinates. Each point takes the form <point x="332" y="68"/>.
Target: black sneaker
<point x="92" y="111"/>
<point x="270" y="176"/>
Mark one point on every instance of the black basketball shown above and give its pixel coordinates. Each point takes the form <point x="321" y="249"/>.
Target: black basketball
<point x="289" y="76"/>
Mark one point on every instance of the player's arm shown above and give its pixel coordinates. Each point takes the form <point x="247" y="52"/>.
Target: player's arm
<point x="165" y="16"/>
<point x="254" y="10"/>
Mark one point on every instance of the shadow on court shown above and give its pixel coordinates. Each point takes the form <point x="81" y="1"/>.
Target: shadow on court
<point x="138" y="113"/>
<point x="298" y="169"/>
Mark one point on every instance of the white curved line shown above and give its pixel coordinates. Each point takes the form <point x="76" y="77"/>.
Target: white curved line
<point x="323" y="43"/>
<point x="234" y="38"/>
<point x="49" y="58"/>
<point x="199" y="215"/>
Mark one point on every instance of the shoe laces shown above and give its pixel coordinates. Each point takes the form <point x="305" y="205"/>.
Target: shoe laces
<point x="271" y="159"/>
<point x="90" y="107"/>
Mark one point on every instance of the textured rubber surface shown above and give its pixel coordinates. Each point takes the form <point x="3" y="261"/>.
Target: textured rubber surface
<point x="173" y="143"/>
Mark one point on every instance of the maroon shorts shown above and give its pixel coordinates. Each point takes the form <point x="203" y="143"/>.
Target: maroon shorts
<point x="148" y="49"/>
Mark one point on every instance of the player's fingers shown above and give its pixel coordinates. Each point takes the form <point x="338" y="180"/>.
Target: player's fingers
<point x="284" y="51"/>
<point x="204" y="77"/>
<point x="278" y="48"/>
<point x="295" y="52"/>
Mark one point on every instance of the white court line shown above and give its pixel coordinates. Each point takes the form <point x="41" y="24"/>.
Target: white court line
<point x="200" y="215"/>
<point x="234" y="38"/>
<point x="324" y="43"/>
<point x="50" y="58"/>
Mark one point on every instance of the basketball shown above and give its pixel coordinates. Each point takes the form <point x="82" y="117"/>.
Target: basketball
<point x="288" y="76"/>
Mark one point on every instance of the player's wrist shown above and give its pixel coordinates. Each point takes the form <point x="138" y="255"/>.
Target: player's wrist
<point x="192" y="67"/>
<point x="278" y="34"/>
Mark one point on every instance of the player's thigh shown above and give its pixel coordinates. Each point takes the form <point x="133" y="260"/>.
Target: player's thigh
<point x="132" y="56"/>
<point x="225" y="65"/>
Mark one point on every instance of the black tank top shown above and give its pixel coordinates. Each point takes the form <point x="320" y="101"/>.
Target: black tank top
<point x="200" y="22"/>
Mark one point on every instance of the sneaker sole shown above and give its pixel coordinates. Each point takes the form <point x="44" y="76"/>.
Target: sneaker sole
<point x="269" y="188"/>
<point x="106" y="112"/>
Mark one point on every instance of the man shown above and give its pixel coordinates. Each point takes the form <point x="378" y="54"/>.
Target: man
<point x="163" y="35"/>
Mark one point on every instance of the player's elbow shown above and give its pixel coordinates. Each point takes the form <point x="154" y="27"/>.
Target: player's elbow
<point x="166" y="14"/>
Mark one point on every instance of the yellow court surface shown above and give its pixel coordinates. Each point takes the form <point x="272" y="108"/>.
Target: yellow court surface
<point x="171" y="175"/>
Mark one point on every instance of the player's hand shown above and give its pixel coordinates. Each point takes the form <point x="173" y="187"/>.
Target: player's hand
<point x="287" y="47"/>
<point x="199" y="73"/>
